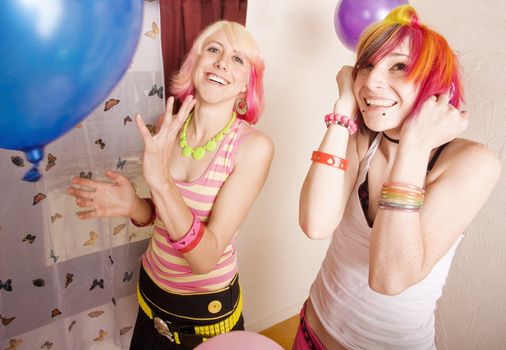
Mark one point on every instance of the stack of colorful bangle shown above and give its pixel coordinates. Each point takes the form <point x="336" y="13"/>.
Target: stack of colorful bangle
<point x="152" y="217"/>
<point x="339" y="119"/>
<point x="191" y="239"/>
<point x="401" y="197"/>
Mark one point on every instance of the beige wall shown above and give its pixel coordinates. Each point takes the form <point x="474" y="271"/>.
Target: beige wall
<point x="303" y="54"/>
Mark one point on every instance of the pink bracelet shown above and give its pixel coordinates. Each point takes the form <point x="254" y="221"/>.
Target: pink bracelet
<point x="195" y="233"/>
<point x="342" y="120"/>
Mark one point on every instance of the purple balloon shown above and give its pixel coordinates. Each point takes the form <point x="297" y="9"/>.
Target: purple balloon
<point x="353" y="16"/>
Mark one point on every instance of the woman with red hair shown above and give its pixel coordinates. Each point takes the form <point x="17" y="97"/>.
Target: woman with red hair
<point x="394" y="187"/>
<point x="204" y="167"/>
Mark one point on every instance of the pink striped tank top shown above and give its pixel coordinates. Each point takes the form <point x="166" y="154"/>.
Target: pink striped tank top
<point x="167" y="267"/>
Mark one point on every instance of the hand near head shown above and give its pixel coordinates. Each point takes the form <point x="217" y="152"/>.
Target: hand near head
<point x="346" y="103"/>
<point x="103" y="199"/>
<point x="437" y="123"/>
<point x="158" y="148"/>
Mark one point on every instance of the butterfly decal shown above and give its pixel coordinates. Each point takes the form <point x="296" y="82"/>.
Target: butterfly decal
<point x="72" y="325"/>
<point x="39" y="282"/>
<point x="17" y="161"/>
<point x="124" y="330"/>
<point x="79" y="126"/>
<point x="110" y="259"/>
<point x="54" y="257"/>
<point x="6" y="320"/>
<point x="55" y="312"/>
<point x="86" y="175"/>
<point x="153" y="33"/>
<point x="127" y="276"/>
<point x="38" y="197"/>
<point x="55" y="217"/>
<point x="69" y="278"/>
<point x="97" y="283"/>
<point x="110" y="103"/>
<point x="95" y="314"/>
<point x="51" y="161"/>
<point x="47" y="345"/>
<point x="101" y="335"/>
<point x="93" y="239"/>
<point x="100" y="143"/>
<point x="132" y="236"/>
<point x="127" y="119"/>
<point x="29" y="238"/>
<point x="118" y="229"/>
<point x="152" y="129"/>
<point x="156" y="91"/>
<point x="14" y="343"/>
<point x="120" y="164"/>
<point x="7" y="285"/>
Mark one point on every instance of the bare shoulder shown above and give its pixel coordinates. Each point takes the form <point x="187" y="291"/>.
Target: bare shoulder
<point x="255" y="145"/>
<point x="469" y="159"/>
<point x="466" y="151"/>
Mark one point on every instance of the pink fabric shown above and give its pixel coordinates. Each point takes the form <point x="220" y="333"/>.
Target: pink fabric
<point x="303" y="332"/>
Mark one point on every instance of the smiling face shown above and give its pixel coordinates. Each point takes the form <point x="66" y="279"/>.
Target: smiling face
<point x="221" y="72"/>
<point x="384" y="95"/>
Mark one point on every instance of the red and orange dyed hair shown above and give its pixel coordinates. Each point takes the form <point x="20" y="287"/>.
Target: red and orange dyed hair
<point x="243" y="42"/>
<point x="432" y="65"/>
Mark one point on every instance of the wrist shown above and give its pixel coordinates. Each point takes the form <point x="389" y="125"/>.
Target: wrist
<point x="346" y="105"/>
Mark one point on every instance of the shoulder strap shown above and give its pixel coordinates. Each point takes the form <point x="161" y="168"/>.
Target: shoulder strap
<point x="436" y="156"/>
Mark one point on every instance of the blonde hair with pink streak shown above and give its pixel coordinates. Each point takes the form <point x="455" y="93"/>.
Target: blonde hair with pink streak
<point x="243" y="42"/>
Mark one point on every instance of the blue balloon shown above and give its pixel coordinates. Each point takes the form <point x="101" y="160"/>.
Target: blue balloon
<point x="60" y="59"/>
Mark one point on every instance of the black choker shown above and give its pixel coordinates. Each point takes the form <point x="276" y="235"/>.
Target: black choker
<point x="390" y="139"/>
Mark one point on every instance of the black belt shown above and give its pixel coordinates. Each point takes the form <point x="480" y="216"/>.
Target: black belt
<point x="190" y="318"/>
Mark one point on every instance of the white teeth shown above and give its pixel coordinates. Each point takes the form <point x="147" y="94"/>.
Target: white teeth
<point x="217" y="79"/>
<point x="379" y="103"/>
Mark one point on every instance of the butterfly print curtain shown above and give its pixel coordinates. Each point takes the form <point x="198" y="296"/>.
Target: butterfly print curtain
<point x="67" y="283"/>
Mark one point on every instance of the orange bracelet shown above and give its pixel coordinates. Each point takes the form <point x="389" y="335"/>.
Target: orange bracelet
<point x="329" y="159"/>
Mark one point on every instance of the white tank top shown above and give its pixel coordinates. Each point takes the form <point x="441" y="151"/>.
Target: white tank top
<point x="350" y="311"/>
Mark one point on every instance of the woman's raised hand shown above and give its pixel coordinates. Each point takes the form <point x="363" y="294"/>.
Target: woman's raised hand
<point x="103" y="199"/>
<point x="437" y="123"/>
<point x="158" y="148"/>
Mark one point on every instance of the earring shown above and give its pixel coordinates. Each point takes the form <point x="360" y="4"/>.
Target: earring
<point x="241" y="106"/>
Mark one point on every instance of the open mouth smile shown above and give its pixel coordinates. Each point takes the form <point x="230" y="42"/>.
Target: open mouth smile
<point x="216" y="79"/>
<point x="379" y="102"/>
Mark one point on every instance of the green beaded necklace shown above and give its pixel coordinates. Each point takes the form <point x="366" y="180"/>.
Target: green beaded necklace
<point x="199" y="151"/>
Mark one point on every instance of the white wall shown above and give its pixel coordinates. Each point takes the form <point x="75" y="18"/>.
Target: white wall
<point x="303" y="54"/>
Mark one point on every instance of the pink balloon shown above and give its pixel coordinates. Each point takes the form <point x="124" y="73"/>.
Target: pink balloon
<point x="353" y="16"/>
<point x="239" y="340"/>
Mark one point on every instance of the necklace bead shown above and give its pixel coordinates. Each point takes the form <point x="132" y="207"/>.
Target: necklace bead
<point x="199" y="152"/>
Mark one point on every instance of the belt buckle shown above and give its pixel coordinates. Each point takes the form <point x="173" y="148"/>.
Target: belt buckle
<point x="163" y="329"/>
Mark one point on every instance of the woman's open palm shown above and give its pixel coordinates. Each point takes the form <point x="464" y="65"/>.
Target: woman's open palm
<point x="158" y="148"/>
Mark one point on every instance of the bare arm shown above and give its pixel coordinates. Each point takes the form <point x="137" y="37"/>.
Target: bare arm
<point x="406" y="246"/>
<point x="326" y="190"/>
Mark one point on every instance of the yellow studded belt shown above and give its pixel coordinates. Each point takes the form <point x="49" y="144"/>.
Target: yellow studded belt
<point x="175" y="333"/>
